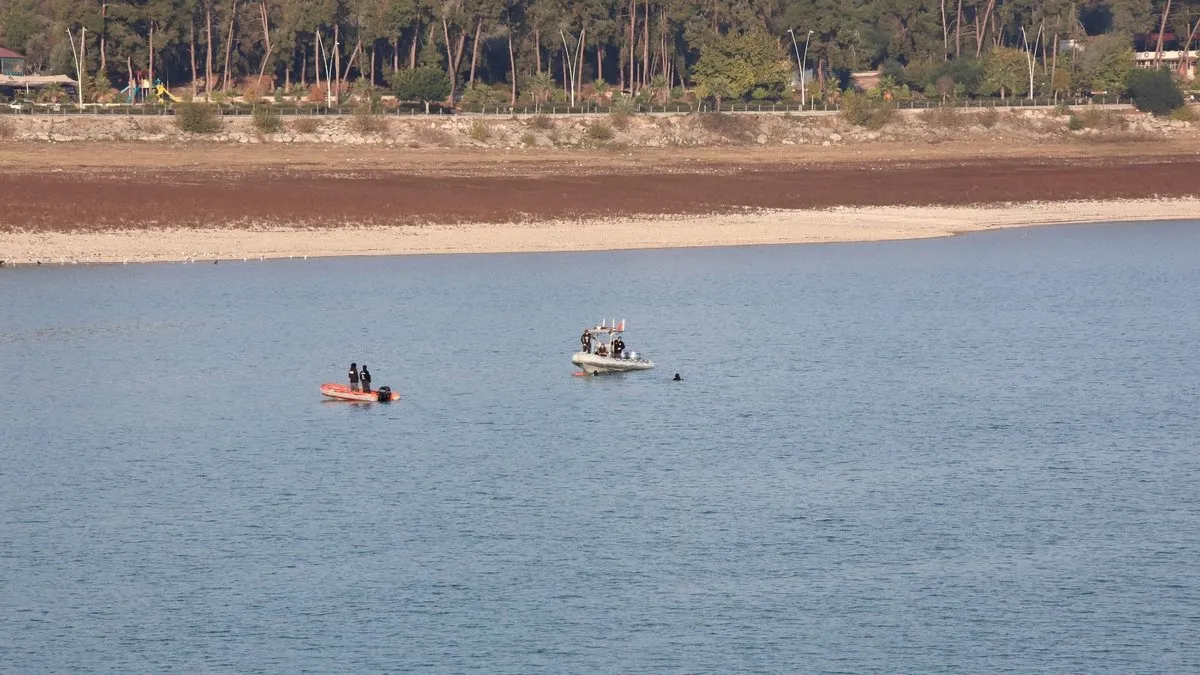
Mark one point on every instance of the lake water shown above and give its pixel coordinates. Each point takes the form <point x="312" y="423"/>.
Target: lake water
<point x="975" y="454"/>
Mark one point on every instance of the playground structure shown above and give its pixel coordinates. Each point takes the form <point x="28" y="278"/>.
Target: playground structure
<point x="141" y="89"/>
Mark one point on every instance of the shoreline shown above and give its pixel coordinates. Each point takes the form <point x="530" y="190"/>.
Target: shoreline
<point x="753" y="228"/>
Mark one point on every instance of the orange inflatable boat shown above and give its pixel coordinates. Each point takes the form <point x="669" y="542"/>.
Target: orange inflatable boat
<point x="345" y="393"/>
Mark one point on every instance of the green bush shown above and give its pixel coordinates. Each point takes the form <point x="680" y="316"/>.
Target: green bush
<point x="528" y="139"/>
<point x="1074" y="123"/>
<point x="265" y="119"/>
<point x="542" y="122"/>
<point x="989" y="118"/>
<point x="197" y="118"/>
<point x="1154" y="91"/>
<point x="864" y="111"/>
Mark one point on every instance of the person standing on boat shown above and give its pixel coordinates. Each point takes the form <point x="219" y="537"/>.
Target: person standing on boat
<point x="586" y="341"/>
<point x="618" y="348"/>
<point x="353" y="377"/>
<point x="364" y="376"/>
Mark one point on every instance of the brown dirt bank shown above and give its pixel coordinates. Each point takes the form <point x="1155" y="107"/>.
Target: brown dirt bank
<point x="131" y="196"/>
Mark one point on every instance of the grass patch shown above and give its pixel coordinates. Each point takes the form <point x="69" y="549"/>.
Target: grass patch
<point x="944" y="117"/>
<point x="1106" y="120"/>
<point x="7" y="129"/>
<point x="528" y="139"/>
<point x="306" y="125"/>
<point x="600" y="132"/>
<point x="197" y="118"/>
<point x="151" y="127"/>
<point x="863" y="111"/>
<point x="366" y="122"/>
<point x="1074" y="123"/>
<point x="480" y="131"/>
<point x="988" y="118"/>
<point x="620" y="119"/>
<point x="542" y="122"/>
<point x="430" y="135"/>
<point x="738" y="128"/>
<point x="265" y="120"/>
<point x="1184" y="114"/>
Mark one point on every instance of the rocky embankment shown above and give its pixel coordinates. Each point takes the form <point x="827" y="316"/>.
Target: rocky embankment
<point x="919" y="126"/>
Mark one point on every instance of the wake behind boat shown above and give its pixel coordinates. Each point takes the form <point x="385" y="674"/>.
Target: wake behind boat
<point x="345" y="393"/>
<point x="604" y="351"/>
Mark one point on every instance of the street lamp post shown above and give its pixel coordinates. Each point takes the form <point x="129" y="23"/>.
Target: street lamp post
<point x="802" y="78"/>
<point x="800" y="61"/>
<point x="79" y="55"/>
<point x="799" y="64"/>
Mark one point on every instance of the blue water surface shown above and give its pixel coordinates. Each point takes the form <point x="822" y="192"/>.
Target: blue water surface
<point x="974" y="454"/>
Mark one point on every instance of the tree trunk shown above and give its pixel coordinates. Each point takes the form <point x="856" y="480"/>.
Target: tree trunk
<point x="395" y="53"/>
<point x="103" y="36"/>
<point x="208" y="57"/>
<point x="350" y="62"/>
<point x="475" y="50"/>
<point x="579" y="60"/>
<point x="981" y="32"/>
<point x="945" y="35"/>
<point x="412" y="49"/>
<point x="152" y="53"/>
<point x="646" y="46"/>
<point x="304" y="66"/>
<point x="512" y="64"/>
<point x="371" y="53"/>
<point x="228" y="46"/>
<point x="1162" y="26"/>
<point x="266" y="22"/>
<point x="537" y="48"/>
<point x="958" y="32"/>
<point x="192" y="51"/>
<point x="631" y="44"/>
<point x="599" y="62"/>
<point x="337" y="61"/>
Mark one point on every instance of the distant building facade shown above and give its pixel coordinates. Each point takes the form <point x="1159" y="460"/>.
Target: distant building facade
<point x="11" y="63"/>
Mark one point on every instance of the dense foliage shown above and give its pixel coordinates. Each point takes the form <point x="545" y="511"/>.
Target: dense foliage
<point x="535" y="49"/>
<point x="1154" y="92"/>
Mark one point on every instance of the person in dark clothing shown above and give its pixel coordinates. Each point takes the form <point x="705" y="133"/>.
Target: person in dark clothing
<point x="364" y="376"/>
<point x="353" y="377"/>
<point x="618" y="348"/>
<point x="677" y="377"/>
<point x="586" y="341"/>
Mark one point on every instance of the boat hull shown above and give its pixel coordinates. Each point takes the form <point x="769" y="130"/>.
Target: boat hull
<point x="343" y="392"/>
<point x="600" y="365"/>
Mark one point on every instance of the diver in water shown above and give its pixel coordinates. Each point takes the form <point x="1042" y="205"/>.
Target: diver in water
<point x="677" y="378"/>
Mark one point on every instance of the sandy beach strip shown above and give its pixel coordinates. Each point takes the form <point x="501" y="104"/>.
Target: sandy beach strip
<point x="764" y="227"/>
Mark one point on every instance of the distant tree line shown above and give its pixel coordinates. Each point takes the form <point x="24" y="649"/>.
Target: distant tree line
<point x="498" y="50"/>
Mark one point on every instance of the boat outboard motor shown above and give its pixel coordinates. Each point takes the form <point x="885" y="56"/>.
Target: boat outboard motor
<point x="384" y="394"/>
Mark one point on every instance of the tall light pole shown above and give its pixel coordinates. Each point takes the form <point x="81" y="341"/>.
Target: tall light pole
<point x="799" y="63"/>
<point x="79" y="55"/>
<point x="570" y="66"/>
<point x="802" y="78"/>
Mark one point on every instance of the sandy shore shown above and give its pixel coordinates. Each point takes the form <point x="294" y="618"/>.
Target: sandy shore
<point x="841" y="224"/>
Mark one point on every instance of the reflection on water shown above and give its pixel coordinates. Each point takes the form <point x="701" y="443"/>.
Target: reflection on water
<point x="940" y="456"/>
